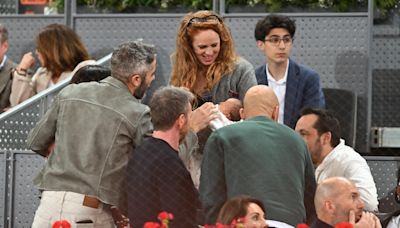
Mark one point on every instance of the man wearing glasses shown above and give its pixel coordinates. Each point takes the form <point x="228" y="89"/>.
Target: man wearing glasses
<point x="295" y="85"/>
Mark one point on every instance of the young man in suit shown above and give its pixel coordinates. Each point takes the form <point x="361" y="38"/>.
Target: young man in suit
<point x="295" y="85"/>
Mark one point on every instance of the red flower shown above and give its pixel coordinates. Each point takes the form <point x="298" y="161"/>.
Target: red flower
<point x="152" y="225"/>
<point x="165" y="216"/>
<point x="237" y="223"/>
<point x="303" y="225"/>
<point x="343" y="225"/>
<point x="219" y="225"/>
<point x="61" y="224"/>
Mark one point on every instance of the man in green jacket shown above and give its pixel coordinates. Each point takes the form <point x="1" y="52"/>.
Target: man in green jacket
<point x="261" y="158"/>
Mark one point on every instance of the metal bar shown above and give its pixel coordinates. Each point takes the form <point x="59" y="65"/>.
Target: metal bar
<point x="222" y="7"/>
<point x="5" y="174"/>
<point x="369" y="72"/>
<point x="67" y="13"/>
<point x="355" y="14"/>
<point x="11" y="189"/>
<point x="45" y="93"/>
<point x="382" y="158"/>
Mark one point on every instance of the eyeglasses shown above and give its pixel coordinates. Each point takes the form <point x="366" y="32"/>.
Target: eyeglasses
<point x="204" y="19"/>
<point x="275" y="40"/>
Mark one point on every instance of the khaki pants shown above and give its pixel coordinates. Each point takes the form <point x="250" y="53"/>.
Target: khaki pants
<point x="61" y="205"/>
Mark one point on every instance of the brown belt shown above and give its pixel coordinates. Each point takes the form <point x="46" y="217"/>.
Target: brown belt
<point x="92" y="202"/>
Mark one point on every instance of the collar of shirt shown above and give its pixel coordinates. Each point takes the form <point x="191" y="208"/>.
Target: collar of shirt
<point x="327" y="160"/>
<point x="272" y="79"/>
<point x="3" y="62"/>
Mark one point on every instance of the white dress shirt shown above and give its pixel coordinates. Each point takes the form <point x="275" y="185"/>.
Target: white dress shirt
<point x="279" y="87"/>
<point x="343" y="161"/>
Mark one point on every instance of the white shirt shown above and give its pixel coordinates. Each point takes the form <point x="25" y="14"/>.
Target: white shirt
<point x="343" y="161"/>
<point x="394" y="222"/>
<point x="279" y="87"/>
<point x="278" y="224"/>
<point x="3" y="62"/>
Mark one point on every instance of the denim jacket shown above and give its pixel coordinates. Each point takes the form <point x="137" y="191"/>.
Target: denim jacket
<point x="95" y="127"/>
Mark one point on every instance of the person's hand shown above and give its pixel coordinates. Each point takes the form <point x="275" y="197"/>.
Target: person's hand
<point x="120" y="220"/>
<point x="202" y="116"/>
<point x="367" y="220"/>
<point x="27" y="61"/>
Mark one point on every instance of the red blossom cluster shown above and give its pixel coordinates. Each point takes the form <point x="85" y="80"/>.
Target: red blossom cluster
<point x="61" y="224"/>
<point x="164" y="218"/>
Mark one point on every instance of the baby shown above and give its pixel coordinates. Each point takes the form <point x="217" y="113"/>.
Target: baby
<point x="228" y="113"/>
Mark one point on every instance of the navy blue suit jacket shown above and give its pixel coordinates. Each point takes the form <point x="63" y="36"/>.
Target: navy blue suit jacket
<point x="302" y="90"/>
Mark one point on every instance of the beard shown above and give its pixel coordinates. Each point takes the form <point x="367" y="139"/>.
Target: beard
<point x="139" y="92"/>
<point x="316" y="152"/>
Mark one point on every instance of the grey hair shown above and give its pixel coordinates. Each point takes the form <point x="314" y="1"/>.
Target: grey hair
<point x="131" y="57"/>
<point x="3" y="33"/>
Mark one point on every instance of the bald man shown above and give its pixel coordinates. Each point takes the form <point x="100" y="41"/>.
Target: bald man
<point x="260" y="158"/>
<point x="337" y="199"/>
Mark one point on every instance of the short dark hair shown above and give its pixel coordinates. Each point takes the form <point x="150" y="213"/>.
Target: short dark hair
<point x="236" y="208"/>
<point x="90" y="73"/>
<point x="167" y="104"/>
<point x="235" y="111"/>
<point x="3" y="33"/>
<point x="265" y="25"/>
<point x="326" y="122"/>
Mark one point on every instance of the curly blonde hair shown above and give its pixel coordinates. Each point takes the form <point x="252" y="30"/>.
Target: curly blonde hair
<point x="185" y="63"/>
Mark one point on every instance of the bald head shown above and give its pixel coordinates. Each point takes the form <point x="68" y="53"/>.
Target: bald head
<point x="260" y="100"/>
<point x="329" y="189"/>
<point x="335" y="197"/>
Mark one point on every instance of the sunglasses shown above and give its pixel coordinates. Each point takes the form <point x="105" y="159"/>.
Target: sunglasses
<point x="196" y="20"/>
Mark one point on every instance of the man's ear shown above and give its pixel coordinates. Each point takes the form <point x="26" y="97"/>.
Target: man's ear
<point x="241" y="113"/>
<point x="135" y="80"/>
<point x="260" y="45"/>
<point x="275" y="113"/>
<point x="181" y="121"/>
<point x="326" y="138"/>
<point x="329" y="206"/>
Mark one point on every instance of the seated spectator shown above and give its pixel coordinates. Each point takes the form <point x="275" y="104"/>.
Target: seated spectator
<point x="261" y="158"/>
<point x="6" y="66"/>
<point x="157" y="179"/>
<point x="248" y="211"/>
<point x="243" y="209"/>
<point x="60" y="52"/>
<point x="393" y="220"/>
<point x="338" y="200"/>
<point x="296" y="86"/>
<point x="90" y="73"/>
<point x="331" y="157"/>
<point x="228" y="111"/>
